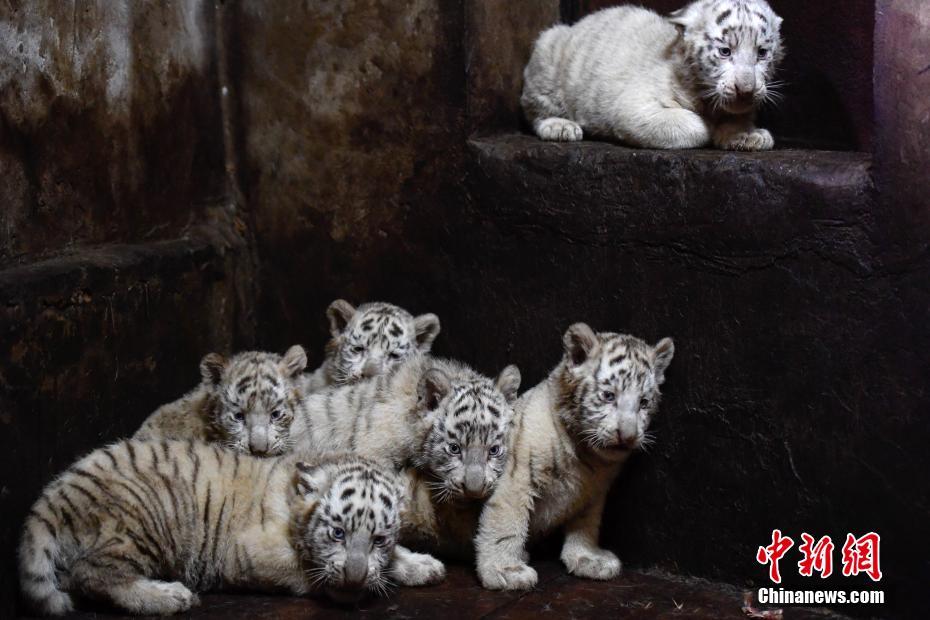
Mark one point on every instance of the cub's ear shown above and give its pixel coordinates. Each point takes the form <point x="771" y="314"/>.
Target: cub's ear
<point x="427" y="328"/>
<point x="508" y="382"/>
<point x="579" y="342"/>
<point x="434" y="386"/>
<point x="311" y="481"/>
<point x="682" y="19"/>
<point x="211" y="368"/>
<point x="293" y="362"/>
<point x="340" y="312"/>
<point x="663" y="352"/>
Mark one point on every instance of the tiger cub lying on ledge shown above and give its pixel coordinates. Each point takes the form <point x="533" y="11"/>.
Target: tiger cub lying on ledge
<point x="686" y="81"/>
<point x="145" y="525"/>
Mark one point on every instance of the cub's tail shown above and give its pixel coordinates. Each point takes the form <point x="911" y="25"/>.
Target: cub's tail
<point x="38" y="552"/>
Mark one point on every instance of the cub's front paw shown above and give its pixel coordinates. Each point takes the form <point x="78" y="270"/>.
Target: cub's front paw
<point x="599" y="564"/>
<point x="418" y="569"/>
<point x="513" y="575"/>
<point x="166" y="598"/>
<point x="559" y="130"/>
<point x="753" y="140"/>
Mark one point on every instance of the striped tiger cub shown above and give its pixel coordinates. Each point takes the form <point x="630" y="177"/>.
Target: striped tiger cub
<point x="144" y="526"/>
<point x="368" y="341"/>
<point x="438" y="415"/>
<point x="245" y="402"/>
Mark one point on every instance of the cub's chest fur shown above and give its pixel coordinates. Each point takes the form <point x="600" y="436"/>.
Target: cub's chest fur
<point x="563" y="492"/>
<point x="563" y="479"/>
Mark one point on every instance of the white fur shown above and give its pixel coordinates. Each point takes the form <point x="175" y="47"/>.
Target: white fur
<point x="629" y="74"/>
<point x="572" y="434"/>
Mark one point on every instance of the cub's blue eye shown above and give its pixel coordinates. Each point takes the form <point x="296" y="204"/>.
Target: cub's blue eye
<point x="725" y="52"/>
<point x="239" y="416"/>
<point x="455" y="448"/>
<point x="357" y="349"/>
<point x="494" y="451"/>
<point x="763" y="53"/>
<point x="276" y="414"/>
<point x="608" y="396"/>
<point x="379" y="541"/>
<point x="338" y="533"/>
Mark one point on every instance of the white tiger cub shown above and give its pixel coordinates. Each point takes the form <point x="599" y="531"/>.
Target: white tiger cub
<point x="685" y="81"/>
<point x="368" y="341"/>
<point x="145" y="525"/>
<point x="245" y="402"/>
<point x="438" y="415"/>
<point x="572" y="433"/>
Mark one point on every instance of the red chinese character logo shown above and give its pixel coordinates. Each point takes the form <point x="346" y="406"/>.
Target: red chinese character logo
<point x="773" y="553"/>
<point x="817" y="557"/>
<point x="860" y="555"/>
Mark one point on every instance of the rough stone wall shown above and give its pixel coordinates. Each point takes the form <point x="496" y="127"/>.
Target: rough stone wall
<point x="352" y="115"/>
<point x="499" y="37"/>
<point x="902" y="81"/>
<point x="122" y="257"/>
<point x="108" y="122"/>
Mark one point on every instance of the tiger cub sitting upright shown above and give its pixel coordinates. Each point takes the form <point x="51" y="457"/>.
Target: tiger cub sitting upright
<point x="572" y="433"/>
<point x="626" y="73"/>
<point x="245" y="402"/>
<point x="368" y="341"/>
<point x="145" y="525"/>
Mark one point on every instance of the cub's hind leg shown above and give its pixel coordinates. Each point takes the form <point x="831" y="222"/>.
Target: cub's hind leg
<point x="654" y="126"/>
<point x="541" y="99"/>
<point x="115" y="580"/>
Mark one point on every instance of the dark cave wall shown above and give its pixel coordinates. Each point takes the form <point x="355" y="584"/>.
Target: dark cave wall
<point x="108" y="130"/>
<point x="902" y="81"/>
<point x="121" y="261"/>
<point x="352" y="117"/>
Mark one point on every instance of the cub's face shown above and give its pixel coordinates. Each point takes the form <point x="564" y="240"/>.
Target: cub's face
<point x="611" y="384"/>
<point x="372" y="339"/>
<point x="255" y="399"/>
<point x="735" y="46"/>
<point x="470" y="422"/>
<point x="350" y="525"/>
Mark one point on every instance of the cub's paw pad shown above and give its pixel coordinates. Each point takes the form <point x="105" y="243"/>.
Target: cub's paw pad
<point x="601" y="564"/>
<point x="559" y="130"/>
<point x="754" y="140"/>
<point x="419" y="569"/>
<point x="509" y="577"/>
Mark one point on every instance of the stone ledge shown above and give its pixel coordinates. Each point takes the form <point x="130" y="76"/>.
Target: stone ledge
<point x="104" y="264"/>
<point x="738" y="210"/>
